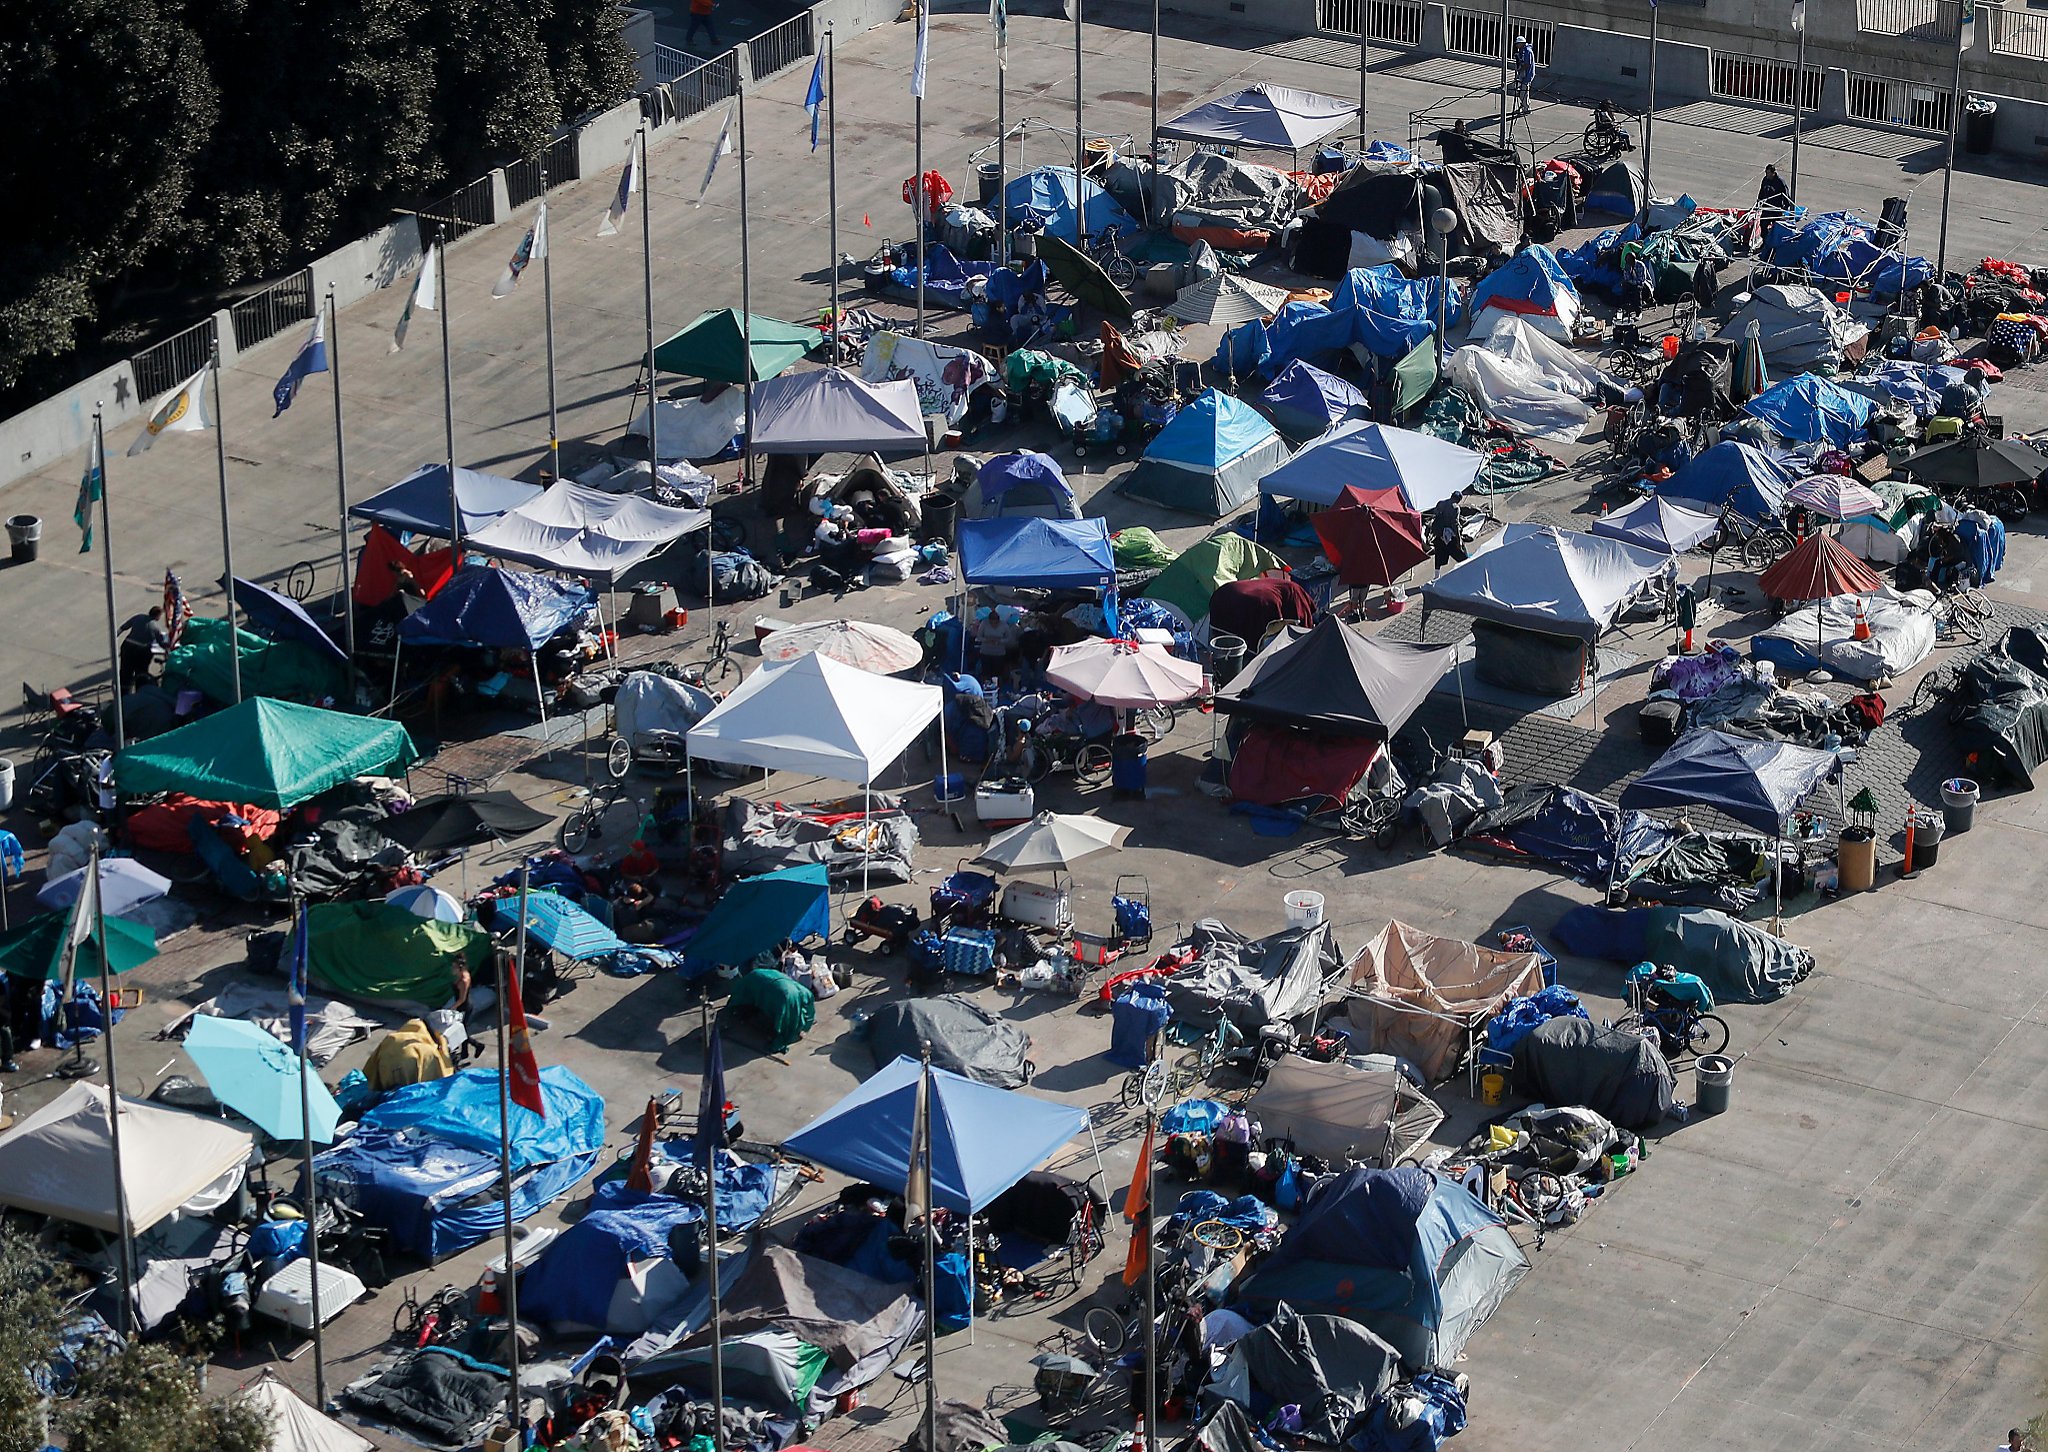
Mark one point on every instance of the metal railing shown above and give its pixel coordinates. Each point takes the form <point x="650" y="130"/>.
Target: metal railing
<point x="1908" y="105"/>
<point x="1479" y="33"/>
<point x="774" y="51"/>
<point x="1397" y="22"/>
<point x="163" y="366"/>
<point x="523" y="177"/>
<point x="265" y="314"/>
<point x="672" y="65"/>
<point x="711" y="84"/>
<point x="1931" y="20"/>
<point x="2022" y="33"/>
<point x="462" y="211"/>
<point x="1752" y="78"/>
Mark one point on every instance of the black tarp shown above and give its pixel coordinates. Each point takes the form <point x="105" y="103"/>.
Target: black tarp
<point x="965" y="1038"/>
<point x="1487" y="199"/>
<point x="1380" y="202"/>
<point x="1758" y="783"/>
<point x="2004" y="697"/>
<point x="1573" y="1061"/>
<point x="1528" y="661"/>
<point x="760" y="839"/>
<point x="435" y="825"/>
<point x="1331" y="1368"/>
<point x="1332" y="680"/>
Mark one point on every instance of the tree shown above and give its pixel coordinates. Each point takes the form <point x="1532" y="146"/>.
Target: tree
<point x="592" y="64"/>
<point x="146" y="1396"/>
<point x="32" y="1319"/>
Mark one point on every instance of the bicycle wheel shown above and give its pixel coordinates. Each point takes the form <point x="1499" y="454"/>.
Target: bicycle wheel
<point x="1765" y="548"/>
<point x="1091" y="764"/>
<point x="1158" y="722"/>
<point x="1708" y="1034"/>
<point x="1972" y="599"/>
<point x="1634" y="1023"/>
<point x="299" y="581"/>
<point x="719" y="669"/>
<point x="1132" y="1094"/>
<point x="1188" y="1071"/>
<point x="1218" y="1236"/>
<point x="1038" y="762"/>
<point x="1104" y="1330"/>
<point x="1923" y="694"/>
<point x="1120" y="269"/>
<point x="619" y="759"/>
<point x="577" y="829"/>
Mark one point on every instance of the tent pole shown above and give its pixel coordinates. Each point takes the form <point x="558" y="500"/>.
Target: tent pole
<point x="971" y="1280"/>
<point x="1095" y="1146"/>
<point x="711" y="1238"/>
<point x="539" y="698"/>
<point x="1458" y="670"/>
<point x="397" y="649"/>
<point x="920" y="1159"/>
<point x="1144" y="1227"/>
<point x="867" y="810"/>
<point x="125" y="1250"/>
<point x="312" y="1207"/>
<point x="509" y="1287"/>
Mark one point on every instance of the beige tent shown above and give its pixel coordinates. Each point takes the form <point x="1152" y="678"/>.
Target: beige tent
<point x="60" y="1161"/>
<point x="1427" y="999"/>
<point x="1335" y="1110"/>
<point x="294" y="1426"/>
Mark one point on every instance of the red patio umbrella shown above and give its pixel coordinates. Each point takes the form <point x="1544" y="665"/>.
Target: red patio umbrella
<point x="1371" y="536"/>
<point x="1818" y="569"/>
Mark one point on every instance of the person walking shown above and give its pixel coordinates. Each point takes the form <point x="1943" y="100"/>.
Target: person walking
<point x="1773" y="197"/>
<point x="1525" y="73"/>
<point x="700" y="18"/>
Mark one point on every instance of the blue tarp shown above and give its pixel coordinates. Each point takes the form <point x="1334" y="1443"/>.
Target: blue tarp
<point x="418" y="503"/>
<point x="1033" y="476"/>
<point x="1584" y="264"/>
<point x="1391" y="312"/>
<point x="506" y="609"/>
<point x="1758" y="783"/>
<point x="424" y="1165"/>
<point x="1917" y="385"/>
<point x="1810" y="409"/>
<point x="1731" y="473"/>
<point x="984" y="1139"/>
<point x="282" y="618"/>
<point x="1306" y="330"/>
<point x="1244" y="350"/>
<point x="563" y="926"/>
<point x="1659" y="522"/>
<point x="1047" y="194"/>
<point x="757" y="913"/>
<point x="1532" y="283"/>
<point x="1838" y="246"/>
<point x="1055" y="553"/>
<point x="1304" y="401"/>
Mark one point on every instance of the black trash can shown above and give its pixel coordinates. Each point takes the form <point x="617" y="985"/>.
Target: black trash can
<point x="1980" y="121"/>
<point x="24" y="536"/>
<point x="988" y="179"/>
<point x="940" y="510"/>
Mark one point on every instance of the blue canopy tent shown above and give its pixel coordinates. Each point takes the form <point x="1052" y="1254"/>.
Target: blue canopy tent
<point x="423" y="1162"/>
<point x="983" y="1139"/>
<point x="1209" y="459"/>
<point x="1054" y="553"/>
<point x="282" y="618"/>
<point x="419" y="503"/>
<point x="1048" y="196"/>
<point x="1658" y="523"/>
<point x="757" y="913"/>
<point x="1024" y="485"/>
<point x="1809" y="409"/>
<point x="502" y="609"/>
<point x="562" y="926"/>
<point x="1758" y="783"/>
<point x="1426" y="469"/>
<point x="1304" y="402"/>
<point x="1732" y="473"/>
<point x="1413" y="1257"/>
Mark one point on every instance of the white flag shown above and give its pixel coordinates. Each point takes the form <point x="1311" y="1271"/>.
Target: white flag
<point x="723" y="148"/>
<point x="78" y="932"/>
<point x="917" y="1187"/>
<point x="532" y="247"/>
<point x="999" y="20"/>
<point x="422" y="296"/>
<point x="182" y="412"/>
<point x="924" y="48"/>
<point x="629" y="183"/>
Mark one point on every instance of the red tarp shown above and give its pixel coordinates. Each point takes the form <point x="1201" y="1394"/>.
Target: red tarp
<point x="165" y="826"/>
<point x="383" y="556"/>
<point x="1818" y="569"/>
<point x="1371" y="536"/>
<point x="1276" y="764"/>
<point x="1248" y="608"/>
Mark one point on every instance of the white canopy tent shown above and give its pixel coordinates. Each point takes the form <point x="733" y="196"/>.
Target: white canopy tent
<point x="816" y="715"/>
<point x="586" y="532"/>
<point x="1278" y="118"/>
<point x="60" y="1161"/>
<point x="817" y="413"/>
<point x="294" y="1426"/>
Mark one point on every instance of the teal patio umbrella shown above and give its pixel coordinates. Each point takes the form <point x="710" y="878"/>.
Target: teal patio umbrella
<point x="257" y="1076"/>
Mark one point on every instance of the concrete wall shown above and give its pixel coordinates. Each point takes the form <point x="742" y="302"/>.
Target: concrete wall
<point x="63" y="425"/>
<point x="368" y="263"/>
<point x="636" y="29"/>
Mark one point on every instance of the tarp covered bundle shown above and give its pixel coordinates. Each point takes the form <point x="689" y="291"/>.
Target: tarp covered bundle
<point x="1610" y="1071"/>
<point x="965" y="1038"/>
<point x="1810" y="410"/>
<point x="502" y="609"/>
<point x="1532" y="383"/>
<point x="1207" y="191"/>
<point x="586" y="532"/>
<point x="1254" y="982"/>
<point x="1209" y="459"/>
<point x="269" y="753"/>
<point x="1555" y="581"/>
<point x="1393" y="312"/>
<point x="1326" y="1365"/>
<point x="1800" y="328"/>
<point x="1732" y="473"/>
<point x="385" y="953"/>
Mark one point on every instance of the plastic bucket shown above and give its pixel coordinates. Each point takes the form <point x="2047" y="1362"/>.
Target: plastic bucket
<point x="1857" y="858"/>
<point x="950" y="786"/>
<point x="1958" y="804"/>
<point x="6" y="783"/>
<point x="1493" y="1088"/>
<point x="24" y="536"/>
<point x="1304" y="909"/>
<point x="1713" y="1075"/>
<point x="1226" y="658"/>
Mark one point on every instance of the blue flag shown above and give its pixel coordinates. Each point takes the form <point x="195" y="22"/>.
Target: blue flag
<point x="311" y="358"/>
<point x="711" y="1104"/>
<point x="295" y="991"/>
<point x="814" y="97"/>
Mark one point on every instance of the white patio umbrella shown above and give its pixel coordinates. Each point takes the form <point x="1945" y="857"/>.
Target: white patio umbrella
<point x="1052" y="840"/>
<point x="434" y="904"/>
<point x="1123" y="674"/>
<point x="1227" y="298"/>
<point x="1835" y="495"/>
<point x="881" y="649"/>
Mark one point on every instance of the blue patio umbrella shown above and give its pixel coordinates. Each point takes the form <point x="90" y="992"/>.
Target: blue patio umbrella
<point x="563" y="926"/>
<point x="257" y="1076"/>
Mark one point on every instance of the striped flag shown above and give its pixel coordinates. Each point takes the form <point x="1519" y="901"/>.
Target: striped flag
<point x="183" y="411"/>
<point x="629" y="183"/>
<point x="91" y="488"/>
<point x="532" y="247"/>
<point x="311" y="358"/>
<point x="177" y="609"/>
<point x="924" y="48"/>
<point x="422" y="296"/>
<point x="724" y="147"/>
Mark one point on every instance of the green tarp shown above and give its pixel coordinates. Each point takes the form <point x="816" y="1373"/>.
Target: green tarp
<point x="388" y="954"/>
<point x="1189" y="581"/>
<point x="264" y="752"/>
<point x="36" y="948"/>
<point x="1026" y="367"/>
<point x="782" y="1006"/>
<point x="711" y="348"/>
<point x="287" y="670"/>
<point x="1414" y="375"/>
<point x="1138" y="548"/>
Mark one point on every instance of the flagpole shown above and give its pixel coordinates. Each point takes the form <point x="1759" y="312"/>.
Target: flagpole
<point x="647" y="288"/>
<point x="508" y="1285"/>
<point x="302" y="949"/>
<point x="713" y="1135"/>
<point x="1650" y="120"/>
<point x="1080" y="210"/>
<point x="547" y="294"/>
<point x="348" y="611"/>
<point x="831" y="180"/>
<point x="1002" y="148"/>
<point x="746" y="290"/>
<point x="917" y="185"/>
<point x="126" y="1250"/>
<point x="99" y="458"/>
<point x="227" y="537"/>
<point x="448" y="403"/>
<point x="921" y="1155"/>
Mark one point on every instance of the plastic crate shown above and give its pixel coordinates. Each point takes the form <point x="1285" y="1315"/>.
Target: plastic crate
<point x="1543" y="954"/>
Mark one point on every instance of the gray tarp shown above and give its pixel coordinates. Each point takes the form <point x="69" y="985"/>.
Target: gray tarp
<point x="1329" y="678"/>
<point x="1800" y="327"/>
<point x="1334" y="1109"/>
<point x="1331" y="1368"/>
<point x="966" y="1038"/>
<point x="1208" y="189"/>
<point x="1487" y="200"/>
<point x="1740" y="964"/>
<point x="1277" y="118"/>
<point x="1572" y="1061"/>
<point x="1253" y="982"/>
<point x="1557" y="581"/>
<point x="650" y="706"/>
<point x="759" y="839"/>
<point x="851" y="1317"/>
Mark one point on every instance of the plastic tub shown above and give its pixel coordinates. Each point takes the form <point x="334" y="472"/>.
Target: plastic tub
<point x="950" y="787"/>
<point x="1958" y="804"/>
<point x="1493" y="1088"/>
<point x="6" y="783"/>
<point x="1713" y="1077"/>
<point x="1304" y="908"/>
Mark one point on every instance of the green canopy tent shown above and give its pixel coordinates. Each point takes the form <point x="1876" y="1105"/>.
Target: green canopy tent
<point x="264" y="752"/>
<point x="283" y="669"/>
<point x="36" y="949"/>
<point x="712" y="348"/>
<point x="386" y="953"/>
<point x="1189" y="581"/>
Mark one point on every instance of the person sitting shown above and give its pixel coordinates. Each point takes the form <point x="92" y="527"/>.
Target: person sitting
<point x="1965" y="398"/>
<point x="1638" y="279"/>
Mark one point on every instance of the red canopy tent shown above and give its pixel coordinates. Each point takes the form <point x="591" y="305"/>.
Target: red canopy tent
<point x="1371" y="536"/>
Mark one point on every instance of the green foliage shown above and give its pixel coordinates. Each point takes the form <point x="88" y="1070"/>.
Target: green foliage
<point x="166" y="147"/>
<point x="147" y="1396"/>
<point x="31" y="1320"/>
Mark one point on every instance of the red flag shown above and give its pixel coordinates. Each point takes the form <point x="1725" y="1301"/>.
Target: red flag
<point x="1138" y="1211"/>
<point x="641" y="1175"/>
<point x="519" y="1052"/>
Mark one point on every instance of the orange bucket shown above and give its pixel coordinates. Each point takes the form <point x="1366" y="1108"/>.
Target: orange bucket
<point x="1670" y="345"/>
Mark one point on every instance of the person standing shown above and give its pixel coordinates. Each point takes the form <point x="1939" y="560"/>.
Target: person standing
<point x="700" y="17"/>
<point x="1448" y="525"/>
<point x="145" y="640"/>
<point x="1525" y="73"/>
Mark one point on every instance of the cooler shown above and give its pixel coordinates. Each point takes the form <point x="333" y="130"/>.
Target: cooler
<point x="1037" y="905"/>
<point x="288" y="1295"/>
<point x="1003" y="803"/>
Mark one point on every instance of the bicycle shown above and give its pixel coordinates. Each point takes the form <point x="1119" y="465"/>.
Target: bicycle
<point x="720" y="664"/>
<point x="1941" y="681"/>
<point x="1762" y="542"/>
<point x="585" y="824"/>
<point x="442" y="1318"/>
<point x="1047" y="752"/>
<point x="1679" y="1029"/>
<point x="1107" y="253"/>
<point x="1375" y="818"/>
<point x="1156" y="723"/>
<point x="1218" y="1049"/>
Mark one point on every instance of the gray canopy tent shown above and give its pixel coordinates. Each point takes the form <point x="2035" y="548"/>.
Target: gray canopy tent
<point x="1273" y="118"/>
